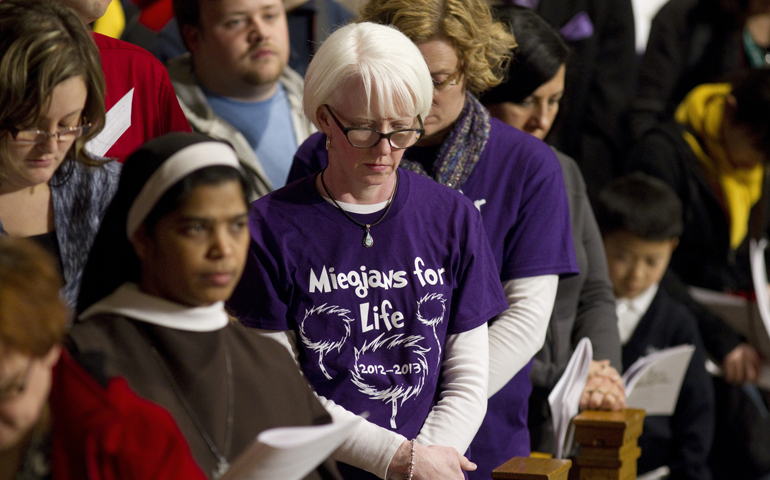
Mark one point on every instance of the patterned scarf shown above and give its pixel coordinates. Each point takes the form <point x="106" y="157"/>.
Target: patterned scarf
<point x="461" y="150"/>
<point x="702" y="114"/>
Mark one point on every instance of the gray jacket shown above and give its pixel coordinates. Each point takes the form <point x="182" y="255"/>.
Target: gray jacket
<point x="80" y="196"/>
<point x="584" y="307"/>
<point x="203" y="119"/>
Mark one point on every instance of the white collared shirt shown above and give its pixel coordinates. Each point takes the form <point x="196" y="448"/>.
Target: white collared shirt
<point x="631" y="310"/>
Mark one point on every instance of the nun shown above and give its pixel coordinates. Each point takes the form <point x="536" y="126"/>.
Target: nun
<point x="169" y="252"/>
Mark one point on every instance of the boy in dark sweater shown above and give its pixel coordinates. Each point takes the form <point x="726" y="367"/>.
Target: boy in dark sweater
<point x="640" y="219"/>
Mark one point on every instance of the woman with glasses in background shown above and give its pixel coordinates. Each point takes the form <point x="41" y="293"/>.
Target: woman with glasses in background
<point x="379" y="280"/>
<point x="51" y="105"/>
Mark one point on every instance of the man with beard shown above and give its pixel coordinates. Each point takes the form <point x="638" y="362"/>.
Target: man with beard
<point x="235" y="84"/>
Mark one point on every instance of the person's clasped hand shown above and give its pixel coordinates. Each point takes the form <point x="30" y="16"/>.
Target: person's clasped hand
<point x="604" y="388"/>
<point x="430" y="463"/>
<point x="741" y="365"/>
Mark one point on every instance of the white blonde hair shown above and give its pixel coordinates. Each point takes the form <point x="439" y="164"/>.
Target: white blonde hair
<point x="382" y="58"/>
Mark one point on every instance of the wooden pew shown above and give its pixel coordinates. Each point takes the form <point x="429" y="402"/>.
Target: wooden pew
<point x="608" y="451"/>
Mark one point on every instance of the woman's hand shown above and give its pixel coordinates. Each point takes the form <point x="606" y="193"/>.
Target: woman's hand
<point x="430" y="463"/>
<point x="604" y="388"/>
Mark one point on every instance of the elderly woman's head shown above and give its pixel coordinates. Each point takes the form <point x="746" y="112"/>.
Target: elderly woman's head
<point x="51" y="82"/>
<point x="368" y="89"/>
<point x="380" y="61"/>
<point x="33" y="320"/>
<point x="465" y="48"/>
<point x="529" y="97"/>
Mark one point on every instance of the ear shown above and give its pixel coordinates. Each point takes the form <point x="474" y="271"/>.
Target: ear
<point x="52" y="357"/>
<point x="324" y="120"/>
<point x="674" y="244"/>
<point x="142" y="243"/>
<point x="192" y="37"/>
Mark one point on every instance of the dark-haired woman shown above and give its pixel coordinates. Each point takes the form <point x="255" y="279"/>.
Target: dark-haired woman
<point x="529" y="100"/>
<point x="51" y="105"/>
<point x="169" y="252"/>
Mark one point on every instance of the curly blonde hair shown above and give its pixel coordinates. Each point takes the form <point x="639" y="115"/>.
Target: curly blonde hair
<point x="483" y="44"/>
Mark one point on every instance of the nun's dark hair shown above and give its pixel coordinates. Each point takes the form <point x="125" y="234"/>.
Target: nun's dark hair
<point x="540" y="52"/>
<point x="112" y="260"/>
<point x="177" y="195"/>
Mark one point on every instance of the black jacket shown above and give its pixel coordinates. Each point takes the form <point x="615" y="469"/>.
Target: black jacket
<point x="683" y="440"/>
<point x="691" y="42"/>
<point x="600" y="84"/>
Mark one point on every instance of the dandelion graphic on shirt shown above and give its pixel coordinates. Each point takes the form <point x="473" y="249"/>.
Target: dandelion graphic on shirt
<point x="326" y="319"/>
<point x="394" y="384"/>
<point x="430" y="312"/>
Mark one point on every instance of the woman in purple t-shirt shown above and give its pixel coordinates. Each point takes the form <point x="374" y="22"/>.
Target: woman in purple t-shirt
<point x="512" y="178"/>
<point x="380" y="280"/>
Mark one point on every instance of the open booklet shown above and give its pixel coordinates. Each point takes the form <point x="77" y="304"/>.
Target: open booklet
<point x="564" y="399"/>
<point x="749" y="318"/>
<point x="653" y="381"/>
<point x="288" y="453"/>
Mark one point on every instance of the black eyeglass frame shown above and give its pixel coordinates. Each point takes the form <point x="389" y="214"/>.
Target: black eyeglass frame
<point x="420" y="132"/>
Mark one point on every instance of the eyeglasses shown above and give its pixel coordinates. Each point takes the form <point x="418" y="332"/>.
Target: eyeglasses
<point x="364" y="137"/>
<point x="451" y="81"/>
<point x="16" y="387"/>
<point x="33" y="137"/>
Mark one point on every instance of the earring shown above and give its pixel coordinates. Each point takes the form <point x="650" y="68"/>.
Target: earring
<point x="328" y="143"/>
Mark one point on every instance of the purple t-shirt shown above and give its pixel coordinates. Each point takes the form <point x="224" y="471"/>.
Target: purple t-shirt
<point x="371" y="322"/>
<point x="517" y="186"/>
<point x="519" y="189"/>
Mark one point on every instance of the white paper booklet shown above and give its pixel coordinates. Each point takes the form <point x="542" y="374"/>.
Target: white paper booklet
<point x="289" y="453"/>
<point x="759" y="334"/>
<point x="653" y="381"/>
<point x="565" y="396"/>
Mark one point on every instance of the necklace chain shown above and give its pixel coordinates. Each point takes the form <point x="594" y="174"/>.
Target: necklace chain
<point x="368" y="240"/>
<point x="222" y="463"/>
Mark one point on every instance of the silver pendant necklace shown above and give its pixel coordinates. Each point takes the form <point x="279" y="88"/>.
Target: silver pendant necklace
<point x="368" y="241"/>
<point x="222" y="464"/>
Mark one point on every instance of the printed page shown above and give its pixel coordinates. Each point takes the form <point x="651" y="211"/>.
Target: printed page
<point x="653" y="381"/>
<point x="289" y="453"/>
<point x="565" y="396"/>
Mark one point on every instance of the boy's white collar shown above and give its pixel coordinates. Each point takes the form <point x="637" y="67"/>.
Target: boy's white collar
<point x="631" y="310"/>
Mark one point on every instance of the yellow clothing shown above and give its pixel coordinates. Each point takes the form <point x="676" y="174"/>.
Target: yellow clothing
<point x="113" y="22"/>
<point x="702" y="113"/>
